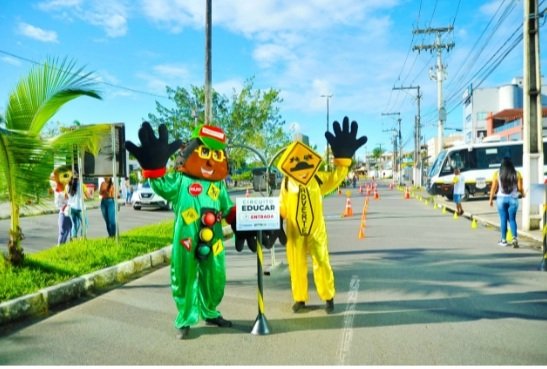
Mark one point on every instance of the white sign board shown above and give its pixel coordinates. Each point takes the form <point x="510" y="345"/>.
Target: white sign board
<point x="257" y="213"/>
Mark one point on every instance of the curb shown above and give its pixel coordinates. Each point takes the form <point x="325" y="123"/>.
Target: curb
<point x="39" y="303"/>
<point x="488" y="223"/>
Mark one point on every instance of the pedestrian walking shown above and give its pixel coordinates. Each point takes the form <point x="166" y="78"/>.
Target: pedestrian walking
<point x="76" y="205"/>
<point x="129" y="191"/>
<point x="123" y="189"/>
<point x="106" y="191"/>
<point x="506" y="186"/>
<point x="459" y="190"/>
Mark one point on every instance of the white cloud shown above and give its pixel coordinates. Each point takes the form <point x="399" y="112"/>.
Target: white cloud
<point x="172" y="71"/>
<point x="37" y="33"/>
<point x="110" y="15"/>
<point x="163" y="75"/>
<point x="11" y="60"/>
<point x="174" y="14"/>
<point x="228" y="87"/>
<point x="491" y="7"/>
<point x="58" y="4"/>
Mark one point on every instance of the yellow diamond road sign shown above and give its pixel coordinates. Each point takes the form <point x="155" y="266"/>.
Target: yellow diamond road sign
<point x="299" y="162"/>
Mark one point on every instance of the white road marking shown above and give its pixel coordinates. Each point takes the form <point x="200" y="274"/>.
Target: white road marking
<point x="349" y="314"/>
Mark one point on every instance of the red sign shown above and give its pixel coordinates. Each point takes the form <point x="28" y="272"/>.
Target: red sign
<point x="187" y="243"/>
<point x="195" y="189"/>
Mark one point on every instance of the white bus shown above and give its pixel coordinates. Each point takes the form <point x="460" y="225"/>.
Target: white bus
<point x="477" y="163"/>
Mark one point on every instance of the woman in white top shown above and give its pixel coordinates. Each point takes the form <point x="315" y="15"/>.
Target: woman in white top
<point x="76" y="204"/>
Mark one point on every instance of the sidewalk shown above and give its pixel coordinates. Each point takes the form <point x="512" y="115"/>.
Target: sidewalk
<point x="480" y="210"/>
<point x="45" y="207"/>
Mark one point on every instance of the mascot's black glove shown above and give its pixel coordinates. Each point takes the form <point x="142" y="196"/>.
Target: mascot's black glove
<point x="251" y="238"/>
<point x="269" y="237"/>
<point x="344" y="143"/>
<point x="244" y="236"/>
<point x="153" y="153"/>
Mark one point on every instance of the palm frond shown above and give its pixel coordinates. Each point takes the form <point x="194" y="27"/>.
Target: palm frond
<point x="86" y="138"/>
<point x="26" y="164"/>
<point x="37" y="97"/>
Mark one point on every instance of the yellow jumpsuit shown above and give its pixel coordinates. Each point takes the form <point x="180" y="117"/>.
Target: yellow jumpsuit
<point x="302" y="208"/>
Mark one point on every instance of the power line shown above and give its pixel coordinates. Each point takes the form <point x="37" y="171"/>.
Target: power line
<point x="75" y="74"/>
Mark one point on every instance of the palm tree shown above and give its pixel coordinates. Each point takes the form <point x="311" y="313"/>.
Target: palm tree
<point x="26" y="158"/>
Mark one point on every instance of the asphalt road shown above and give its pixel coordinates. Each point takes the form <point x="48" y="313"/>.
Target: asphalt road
<point x="421" y="288"/>
<point x="41" y="231"/>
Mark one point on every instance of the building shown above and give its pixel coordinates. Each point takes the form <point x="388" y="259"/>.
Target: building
<point x="480" y="103"/>
<point x="507" y="125"/>
<point x="297" y="136"/>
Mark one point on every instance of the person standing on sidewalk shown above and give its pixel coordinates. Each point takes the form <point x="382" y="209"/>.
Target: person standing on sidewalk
<point x="107" y="205"/>
<point x="76" y="204"/>
<point x="506" y="185"/>
<point x="459" y="190"/>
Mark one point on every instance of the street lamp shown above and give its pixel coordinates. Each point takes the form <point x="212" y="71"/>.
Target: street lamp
<point x="327" y="147"/>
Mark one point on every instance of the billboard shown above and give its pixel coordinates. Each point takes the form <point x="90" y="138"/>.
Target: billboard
<point x="102" y="164"/>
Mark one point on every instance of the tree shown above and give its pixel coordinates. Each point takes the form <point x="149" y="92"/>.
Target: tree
<point x="250" y="117"/>
<point x="26" y="157"/>
<point x="377" y="153"/>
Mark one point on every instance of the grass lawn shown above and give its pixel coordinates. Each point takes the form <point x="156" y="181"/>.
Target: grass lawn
<point x="73" y="259"/>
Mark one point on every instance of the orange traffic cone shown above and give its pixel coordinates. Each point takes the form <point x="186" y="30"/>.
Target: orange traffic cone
<point x="348" y="212"/>
<point x="376" y="194"/>
<point x="407" y="193"/>
<point x="360" y="189"/>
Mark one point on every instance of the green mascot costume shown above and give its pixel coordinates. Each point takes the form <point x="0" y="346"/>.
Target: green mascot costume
<point x="200" y="201"/>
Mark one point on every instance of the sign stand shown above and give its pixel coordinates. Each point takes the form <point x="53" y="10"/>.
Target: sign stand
<point x="260" y="327"/>
<point x="258" y="214"/>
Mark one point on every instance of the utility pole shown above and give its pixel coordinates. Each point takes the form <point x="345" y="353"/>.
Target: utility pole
<point x="327" y="147"/>
<point x="532" y="133"/>
<point x="418" y="165"/>
<point x="439" y="74"/>
<point x="395" y="151"/>
<point x="208" y="69"/>
<point x="398" y="153"/>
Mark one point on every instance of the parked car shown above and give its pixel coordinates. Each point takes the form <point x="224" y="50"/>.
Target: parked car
<point x="259" y="178"/>
<point x="145" y="197"/>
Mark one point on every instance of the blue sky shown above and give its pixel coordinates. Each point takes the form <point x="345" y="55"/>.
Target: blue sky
<point x="354" y="50"/>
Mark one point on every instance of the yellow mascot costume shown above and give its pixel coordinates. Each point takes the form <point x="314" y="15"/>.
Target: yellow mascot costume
<point x="301" y="205"/>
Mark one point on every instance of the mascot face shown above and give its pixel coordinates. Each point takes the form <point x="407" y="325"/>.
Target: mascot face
<point x="62" y="176"/>
<point x="206" y="163"/>
<point x="204" y="157"/>
<point x="299" y="162"/>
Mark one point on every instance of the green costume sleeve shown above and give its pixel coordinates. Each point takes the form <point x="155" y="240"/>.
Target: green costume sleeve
<point x="225" y="202"/>
<point x="167" y="186"/>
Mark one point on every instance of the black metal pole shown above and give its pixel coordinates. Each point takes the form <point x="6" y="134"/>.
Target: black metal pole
<point x="261" y="323"/>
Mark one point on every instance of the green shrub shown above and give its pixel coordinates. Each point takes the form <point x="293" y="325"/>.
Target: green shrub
<point x="73" y="259"/>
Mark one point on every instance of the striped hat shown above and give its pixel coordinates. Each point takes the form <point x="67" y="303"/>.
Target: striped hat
<point x="211" y="136"/>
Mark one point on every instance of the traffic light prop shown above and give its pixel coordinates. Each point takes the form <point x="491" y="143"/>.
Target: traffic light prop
<point x="208" y="220"/>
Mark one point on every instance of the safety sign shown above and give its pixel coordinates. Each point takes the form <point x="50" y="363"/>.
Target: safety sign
<point x="257" y="213"/>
